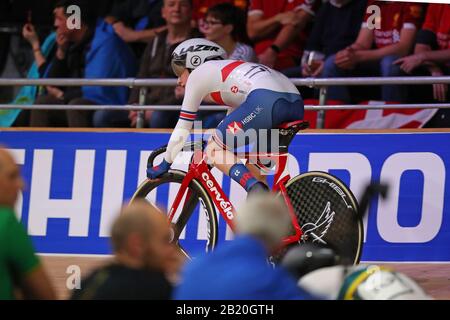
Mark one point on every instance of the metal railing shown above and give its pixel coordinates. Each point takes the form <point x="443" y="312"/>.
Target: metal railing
<point x="143" y="84"/>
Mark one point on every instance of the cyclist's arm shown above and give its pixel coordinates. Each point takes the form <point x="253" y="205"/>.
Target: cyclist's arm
<point x="197" y="87"/>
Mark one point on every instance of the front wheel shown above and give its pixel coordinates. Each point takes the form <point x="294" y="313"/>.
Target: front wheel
<point x="195" y="201"/>
<point x="327" y="213"/>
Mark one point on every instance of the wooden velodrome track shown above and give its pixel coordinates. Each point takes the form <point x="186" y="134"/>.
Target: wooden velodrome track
<point x="433" y="277"/>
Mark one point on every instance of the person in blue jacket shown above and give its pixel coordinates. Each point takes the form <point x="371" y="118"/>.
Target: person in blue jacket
<point x="88" y="50"/>
<point x="239" y="269"/>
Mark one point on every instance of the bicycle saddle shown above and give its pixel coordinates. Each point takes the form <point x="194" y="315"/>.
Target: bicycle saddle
<point x="288" y="130"/>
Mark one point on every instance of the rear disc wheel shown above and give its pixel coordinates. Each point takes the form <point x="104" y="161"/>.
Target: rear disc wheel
<point x="327" y="213"/>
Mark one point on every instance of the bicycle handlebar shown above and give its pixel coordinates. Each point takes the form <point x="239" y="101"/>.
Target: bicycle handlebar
<point x="191" y="145"/>
<point x="154" y="154"/>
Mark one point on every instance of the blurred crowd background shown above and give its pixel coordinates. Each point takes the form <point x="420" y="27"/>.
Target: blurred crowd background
<point x="301" y="38"/>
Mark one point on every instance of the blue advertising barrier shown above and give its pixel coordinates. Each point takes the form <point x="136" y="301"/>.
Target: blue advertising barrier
<point x="77" y="181"/>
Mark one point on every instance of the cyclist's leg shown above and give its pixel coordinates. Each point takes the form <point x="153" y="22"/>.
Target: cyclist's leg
<point x="263" y="110"/>
<point x="240" y="128"/>
<point x="227" y="162"/>
<point x="224" y="160"/>
<point x="289" y="109"/>
<point x="257" y="173"/>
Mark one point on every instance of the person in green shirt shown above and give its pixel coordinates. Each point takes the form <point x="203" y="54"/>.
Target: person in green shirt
<point x="20" y="268"/>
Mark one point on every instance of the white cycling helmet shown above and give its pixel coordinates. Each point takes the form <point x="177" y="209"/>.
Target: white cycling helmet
<point x="194" y="52"/>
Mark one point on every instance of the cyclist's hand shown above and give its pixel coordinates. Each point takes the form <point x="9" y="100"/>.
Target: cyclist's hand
<point x="157" y="171"/>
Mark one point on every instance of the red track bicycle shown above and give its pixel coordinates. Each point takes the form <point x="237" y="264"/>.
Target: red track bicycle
<point x="322" y="208"/>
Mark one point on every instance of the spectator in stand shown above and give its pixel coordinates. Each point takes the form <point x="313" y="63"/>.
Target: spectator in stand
<point x="29" y="33"/>
<point x="92" y="51"/>
<point x="224" y="25"/>
<point x="200" y="7"/>
<point x="20" y="268"/>
<point x="155" y="63"/>
<point x="43" y="55"/>
<point x="137" y="22"/>
<point x="278" y="29"/>
<point x="239" y="269"/>
<point x="143" y="259"/>
<point x="432" y="56"/>
<point x="333" y="30"/>
<point x="399" y="22"/>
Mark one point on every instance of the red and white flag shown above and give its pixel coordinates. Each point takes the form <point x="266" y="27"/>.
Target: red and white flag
<point x="370" y="119"/>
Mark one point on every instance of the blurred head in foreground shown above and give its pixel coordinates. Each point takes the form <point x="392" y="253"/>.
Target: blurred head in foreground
<point x="11" y="181"/>
<point x="265" y="217"/>
<point x="21" y="272"/>
<point x="143" y="253"/>
<point x="141" y="237"/>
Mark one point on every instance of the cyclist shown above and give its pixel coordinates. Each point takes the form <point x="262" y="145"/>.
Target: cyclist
<point x="258" y="97"/>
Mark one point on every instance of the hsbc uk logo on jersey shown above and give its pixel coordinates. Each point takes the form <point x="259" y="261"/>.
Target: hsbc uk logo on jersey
<point x="252" y="115"/>
<point x="235" y="126"/>
<point x="235" y="90"/>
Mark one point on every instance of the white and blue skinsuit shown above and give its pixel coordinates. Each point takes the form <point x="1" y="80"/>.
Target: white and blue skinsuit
<point x="248" y="89"/>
